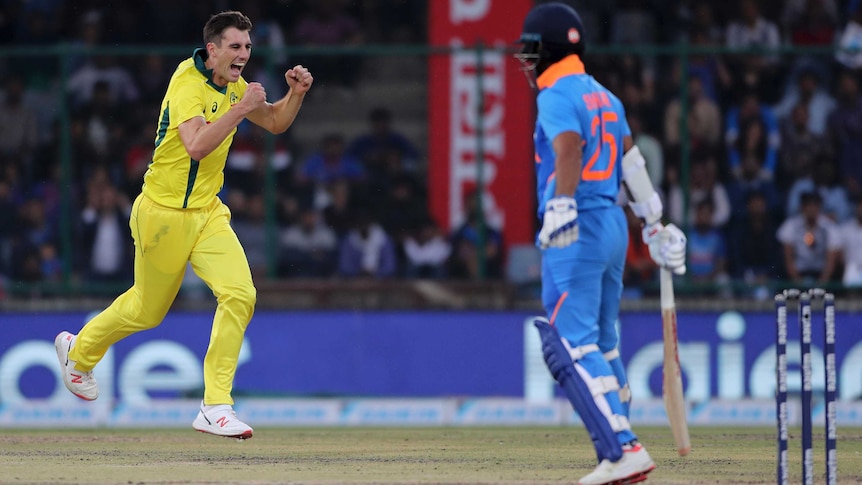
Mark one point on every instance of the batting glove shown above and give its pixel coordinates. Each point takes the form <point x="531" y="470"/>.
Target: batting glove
<point x="666" y="246"/>
<point x="560" y="224"/>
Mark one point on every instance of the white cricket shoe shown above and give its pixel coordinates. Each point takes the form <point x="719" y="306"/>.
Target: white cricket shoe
<point x="221" y="420"/>
<point x="82" y="384"/>
<point x="631" y="468"/>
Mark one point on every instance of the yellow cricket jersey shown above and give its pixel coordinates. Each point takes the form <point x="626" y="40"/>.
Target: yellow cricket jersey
<point x="174" y="179"/>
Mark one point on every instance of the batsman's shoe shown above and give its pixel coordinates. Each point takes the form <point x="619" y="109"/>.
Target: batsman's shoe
<point x="82" y="384"/>
<point x="221" y="420"/>
<point x="631" y="468"/>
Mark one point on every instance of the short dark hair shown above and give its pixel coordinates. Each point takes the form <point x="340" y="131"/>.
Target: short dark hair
<point x="221" y="21"/>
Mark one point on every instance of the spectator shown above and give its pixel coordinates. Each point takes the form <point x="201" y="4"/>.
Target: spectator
<point x="19" y="128"/>
<point x="373" y="147"/>
<point x="707" y="254"/>
<point x="8" y="225"/>
<point x="758" y="72"/>
<point x="330" y="163"/>
<point x="268" y="33"/>
<point x="48" y="188"/>
<point x="632" y="23"/>
<point x="752" y="126"/>
<point x="366" y="251"/>
<point x="37" y="229"/>
<point x="139" y="154"/>
<point x="106" y="243"/>
<point x="308" y="247"/>
<point x="248" y="219"/>
<point x="152" y="75"/>
<point x="754" y="251"/>
<point x="751" y="180"/>
<point x="649" y="146"/>
<point x="851" y="235"/>
<point x="403" y="207"/>
<point x="337" y="214"/>
<point x="810" y="22"/>
<point x="712" y="71"/>
<point x="327" y="23"/>
<point x="824" y="181"/>
<point x="26" y="262"/>
<point x="809" y="94"/>
<point x="633" y="97"/>
<point x="811" y="243"/>
<point x="752" y="144"/>
<point x="845" y="132"/>
<point x="703" y="20"/>
<point x="704" y="119"/>
<point x="753" y="30"/>
<point x="104" y="132"/>
<point x="103" y="69"/>
<point x="640" y="267"/>
<point x="244" y="165"/>
<point x="426" y="251"/>
<point x="849" y="41"/>
<point x="703" y="185"/>
<point x="465" y="262"/>
<point x="800" y="149"/>
<point x="52" y="266"/>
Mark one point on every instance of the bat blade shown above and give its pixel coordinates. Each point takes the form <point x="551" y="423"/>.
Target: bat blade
<point x="672" y="391"/>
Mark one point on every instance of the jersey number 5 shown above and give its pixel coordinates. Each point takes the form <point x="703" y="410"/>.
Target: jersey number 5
<point x="590" y="172"/>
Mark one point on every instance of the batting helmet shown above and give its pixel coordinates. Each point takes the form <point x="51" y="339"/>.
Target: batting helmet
<point x="551" y="32"/>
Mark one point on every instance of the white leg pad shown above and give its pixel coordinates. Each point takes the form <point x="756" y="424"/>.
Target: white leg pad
<point x="577" y="353"/>
<point x="599" y="386"/>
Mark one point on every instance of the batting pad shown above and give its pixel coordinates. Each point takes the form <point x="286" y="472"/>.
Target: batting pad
<point x="580" y="393"/>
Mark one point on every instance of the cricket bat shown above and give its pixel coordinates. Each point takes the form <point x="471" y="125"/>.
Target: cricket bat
<point x="674" y="402"/>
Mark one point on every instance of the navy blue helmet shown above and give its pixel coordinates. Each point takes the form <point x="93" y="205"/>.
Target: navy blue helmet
<point x="551" y="32"/>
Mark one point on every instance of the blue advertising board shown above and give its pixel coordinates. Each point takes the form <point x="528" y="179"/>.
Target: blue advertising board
<point x="409" y="354"/>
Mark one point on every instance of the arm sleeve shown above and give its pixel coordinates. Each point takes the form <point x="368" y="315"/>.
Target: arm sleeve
<point x="785" y="232"/>
<point x="558" y="113"/>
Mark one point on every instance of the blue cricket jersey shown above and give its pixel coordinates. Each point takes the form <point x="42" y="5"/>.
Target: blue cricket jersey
<point x="571" y="100"/>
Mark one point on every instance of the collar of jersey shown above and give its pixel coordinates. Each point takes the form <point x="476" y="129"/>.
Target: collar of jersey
<point x="567" y="66"/>
<point x="200" y="57"/>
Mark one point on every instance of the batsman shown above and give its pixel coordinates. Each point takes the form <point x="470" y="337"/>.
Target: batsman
<point x="584" y="154"/>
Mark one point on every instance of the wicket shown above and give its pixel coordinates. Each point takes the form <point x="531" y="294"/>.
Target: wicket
<point x="805" y="297"/>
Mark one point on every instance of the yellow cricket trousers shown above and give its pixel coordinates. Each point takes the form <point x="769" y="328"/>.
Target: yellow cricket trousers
<point x="165" y="240"/>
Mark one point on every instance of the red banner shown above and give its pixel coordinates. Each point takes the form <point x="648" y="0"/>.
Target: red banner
<point x="506" y="124"/>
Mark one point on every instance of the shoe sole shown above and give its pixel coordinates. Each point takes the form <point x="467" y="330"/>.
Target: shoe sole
<point x="243" y="436"/>
<point x="634" y="478"/>
<point x="63" y="365"/>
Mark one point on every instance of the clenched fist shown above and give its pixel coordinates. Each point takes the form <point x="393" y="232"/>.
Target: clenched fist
<point x="299" y="79"/>
<point x="254" y="98"/>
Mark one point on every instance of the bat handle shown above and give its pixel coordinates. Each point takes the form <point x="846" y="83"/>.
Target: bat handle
<point x="666" y="289"/>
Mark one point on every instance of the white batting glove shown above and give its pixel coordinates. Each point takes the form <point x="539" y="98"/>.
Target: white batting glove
<point x="560" y="224"/>
<point x="666" y="246"/>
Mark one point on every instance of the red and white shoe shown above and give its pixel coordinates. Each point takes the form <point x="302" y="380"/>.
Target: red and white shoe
<point x="221" y="420"/>
<point x="633" y="467"/>
<point x="82" y="384"/>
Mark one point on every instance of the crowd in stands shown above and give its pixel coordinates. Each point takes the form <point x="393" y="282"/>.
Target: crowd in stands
<point x="772" y="187"/>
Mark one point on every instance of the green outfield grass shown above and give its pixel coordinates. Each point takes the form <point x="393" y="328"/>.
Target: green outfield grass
<point x="391" y="455"/>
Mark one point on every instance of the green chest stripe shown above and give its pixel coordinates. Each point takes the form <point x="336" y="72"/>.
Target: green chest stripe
<point x="190" y="185"/>
<point x="163" y="124"/>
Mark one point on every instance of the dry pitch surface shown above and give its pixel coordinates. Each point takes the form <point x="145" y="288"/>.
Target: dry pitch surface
<point x="391" y="455"/>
